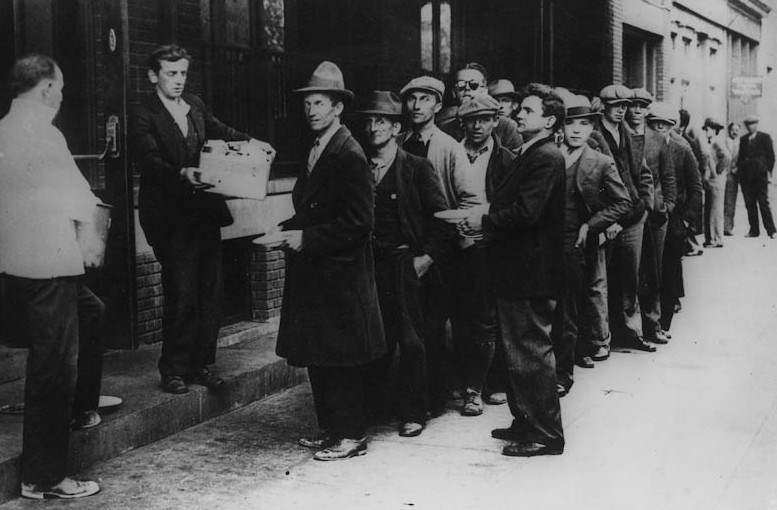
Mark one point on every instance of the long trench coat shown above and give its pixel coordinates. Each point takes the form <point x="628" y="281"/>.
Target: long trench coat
<point x="330" y="315"/>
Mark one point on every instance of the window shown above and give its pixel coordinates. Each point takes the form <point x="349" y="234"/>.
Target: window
<point x="640" y="55"/>
<point x="436" y="37"/>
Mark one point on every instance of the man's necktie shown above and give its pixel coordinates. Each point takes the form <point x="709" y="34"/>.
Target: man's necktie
<point x="313" y="156"/>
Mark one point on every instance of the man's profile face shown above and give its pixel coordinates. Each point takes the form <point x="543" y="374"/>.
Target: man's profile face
<point x="614" y="112"/>
<point x="577" y="131"/>
<point x="421" y="107"/>
<point x="636" y="113"/>
<point x="380" y="129"/>
<point x="469" y="83"/>
<point x="170" y="80"/>
<point x="479" y="127"/>
<point x="506" y="106"/>
<point x="530" y="118"/>
<point x="321" y="111"/>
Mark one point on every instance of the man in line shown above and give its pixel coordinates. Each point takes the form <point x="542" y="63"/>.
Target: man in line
<point x="719" y="160"/>
<point x="476" y="310"/>
<point x="596" y="198"/>
<point x="504" y="91"/>
<point x="407" y="241"/>
<point x="524" y="229"/>
<point x="330" y="319"/>
<point x="422" y="99"/>
<point x="44" y="198"/>
<point x="181" y="221"/>
<point x="732" y="179"/>
<point x="626" y="236"/>
<point x="653" y="148"/>
<point x="755" y="165"/>
<point x="470" y="81"/>
<point x="692" y="247"/>
<point x="686" y="213"/>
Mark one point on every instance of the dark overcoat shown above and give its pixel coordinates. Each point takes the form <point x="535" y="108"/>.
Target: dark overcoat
<point x="524" y="228"/>
<point x="689" y="189"/>
<point x="166" y="201"/>
<point x="604" y="195"/>
<point x="330" y="315"/>
<point x="756" y="156"/>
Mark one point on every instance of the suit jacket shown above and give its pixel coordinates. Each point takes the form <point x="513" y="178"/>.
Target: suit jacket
<point x="638" y="178"/>
<point x="653" y="148"/>
<point x="605" y="196"/>
<point x="732" y="144"/>
<point x="159" y="150"/>
<point x="330" y="314"/>
<point x="499" y="164"/>
<point x="506" y="131"/>
<point x="524" y="228"/>
<point x="688" y="178"/>
<point x="449" y="160"/>
<point x="720" y="162"/>
<point x="756" y="157"/>
<point x="419" y="196"/>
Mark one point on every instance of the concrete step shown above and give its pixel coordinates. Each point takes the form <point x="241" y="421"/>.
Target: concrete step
<point x="12" y="363"/>
<point x="250" y="366"/>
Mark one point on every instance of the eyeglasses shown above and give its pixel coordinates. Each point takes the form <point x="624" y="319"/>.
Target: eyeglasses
<point x="471" y="85"/>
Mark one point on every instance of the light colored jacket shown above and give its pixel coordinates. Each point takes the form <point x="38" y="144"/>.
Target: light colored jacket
<point x="42" y="194"/>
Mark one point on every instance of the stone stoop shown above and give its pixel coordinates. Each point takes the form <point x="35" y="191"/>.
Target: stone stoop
<point x="250" y="366"/>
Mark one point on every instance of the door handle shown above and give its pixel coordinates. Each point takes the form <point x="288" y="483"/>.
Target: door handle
<point x="111" y="143"/>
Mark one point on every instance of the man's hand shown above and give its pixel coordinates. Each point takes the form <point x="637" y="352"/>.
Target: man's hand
<point x="192" y="176"/>
<point x="613" y="231"/>
<point x="294" y="240"/>
<point x="422" y="264"/>
<point x="582" y="236"/>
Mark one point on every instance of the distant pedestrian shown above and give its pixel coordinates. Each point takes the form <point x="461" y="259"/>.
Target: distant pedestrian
<point x="755" y="166"/>
<point x="732" y="179"/>
<point x="330" y="319"/>
<point x="45" y="199"/>
<point x="714" y="181"/>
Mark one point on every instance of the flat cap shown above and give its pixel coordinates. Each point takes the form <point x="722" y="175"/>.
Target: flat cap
<point x="751" y="119"/>
<point x="613" y="94"/>
<point x="505" y="88"/>
<point x="579" y="106"/>
<point x="664" y="112"/>
<point x="709" y="122"/>
<point x="478" y="105"/>
<point x="641" y="96"/>
<point x="425" y="83"/>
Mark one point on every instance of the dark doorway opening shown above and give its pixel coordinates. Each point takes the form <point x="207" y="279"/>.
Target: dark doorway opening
<point x="237" y="289"/>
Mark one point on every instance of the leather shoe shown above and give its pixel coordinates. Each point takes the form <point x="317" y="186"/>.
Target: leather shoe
<point x="321" y="440"/>
<point x="667" y="334"/>
<point x="601" y="353"/>
<point x="561" y="390"/>
<point x="205" y="377"/>
<point x="411" y="429"/>
<point x="658" y="338"/>
<point x="585" y="362"/>
<point x="474" y="404"/>
<point x="496" y="399"/>
<point x="752" y="234"/>
<point x="529" y="449"/>
<point x="174" y="384"/>
<point x="343" y="449"/>
<point x="772" y="235"/>
<point x="512" y="433"/>
<point x="640" y="344"/>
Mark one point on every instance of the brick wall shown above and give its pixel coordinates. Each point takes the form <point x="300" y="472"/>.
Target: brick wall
<point x="150" y="299"/>
<point x="616" y="36"/>
<point x="267" y="270"/>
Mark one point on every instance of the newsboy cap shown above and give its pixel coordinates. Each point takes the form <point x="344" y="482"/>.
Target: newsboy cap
<point x="426" y="84"/>
<point x="327" y="78"/>
<point x="579" y="106"/>
<point x="502" y="88"/>
<point x="382" y="102"/>
<point x="664" y="112"/>
<point x="478" y="105"/>
<point x="751" y="119"/>
<point x="641" y="96"/>
<point x="614" y="94"/>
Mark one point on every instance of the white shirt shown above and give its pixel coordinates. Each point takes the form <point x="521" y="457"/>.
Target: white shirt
<point x="179" y="109"/>
<point x="320" y="144"/>
<point x="42" y="192"/>
<point x="380" y="166"/>
<point x="476" y="171"/>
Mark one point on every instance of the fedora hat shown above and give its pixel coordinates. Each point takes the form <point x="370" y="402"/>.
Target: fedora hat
<point x="499" y="88"/>
<point x="578" y="107"/>
<point x="382" y="102"/>
<point x="327" y="78"/>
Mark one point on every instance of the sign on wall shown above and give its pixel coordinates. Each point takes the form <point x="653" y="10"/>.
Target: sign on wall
<point x="747" y="87"/>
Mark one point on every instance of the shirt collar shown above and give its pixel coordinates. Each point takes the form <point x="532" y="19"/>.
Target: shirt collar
<point x="572" y="155"/>
<point x="485" y="149"/>
<point x="425" y="135"/>
<point x="323" y="140"/>
<point x="527" y="145"/>
<point x="175" y="106"/>
<point x="386" y="161"/>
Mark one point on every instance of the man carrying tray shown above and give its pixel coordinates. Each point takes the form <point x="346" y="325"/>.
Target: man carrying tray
<point x="182" y="223"/>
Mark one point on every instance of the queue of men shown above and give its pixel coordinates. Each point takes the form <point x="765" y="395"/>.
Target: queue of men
<point x="544" y="229"/>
